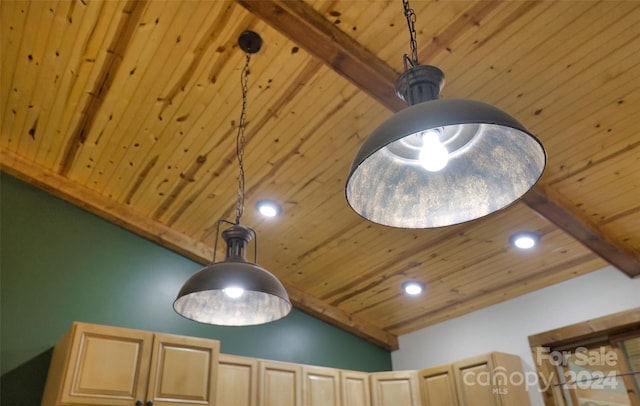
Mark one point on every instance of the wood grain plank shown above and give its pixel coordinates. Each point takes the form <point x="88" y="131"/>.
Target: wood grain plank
<point x="17" y="105"/>
<point x="40" y="97"/>
<point x="96" y="27"/>
<point x="107" y="144"/>
<point x="192" y="135"/>
<point x="14" y="15"/>
<point x="126" y="27"/>
<point x="66" y="67"/>
<point x="48" y="90"/>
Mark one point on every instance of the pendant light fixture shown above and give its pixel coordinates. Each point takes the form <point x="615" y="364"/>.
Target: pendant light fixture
<point x="235" y="292"/>
<point x="440" y="162"/>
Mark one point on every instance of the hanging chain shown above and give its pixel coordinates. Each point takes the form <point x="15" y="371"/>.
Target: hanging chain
<point x="240" y="138"/>
<point x="411" y="22"/>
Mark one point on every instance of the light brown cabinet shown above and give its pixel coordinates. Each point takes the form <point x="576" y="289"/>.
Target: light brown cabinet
<point x="354" y="388"/>
<point x="279" y="384"/>
<point x="237" y="381"/>
<point x="320" y="386"/>
<point x="97" y="365"/>
<point x="493" y="379"/>
<point x="104" y="365"/>
<point x="395" y="388"/>
<point x="437" y="386"/>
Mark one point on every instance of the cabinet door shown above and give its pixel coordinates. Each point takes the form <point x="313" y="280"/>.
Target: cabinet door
<point x="280" y="384"/>
<point x="106" y="366"/>
<point x="494" y="379"/>
<point x="474" y="382"/>
<point x="437" y="386"/>
<point x="509" y="382"/>
<point x="237" y="381"/>
<point x="183" y="371"/>
<point x="354" y="388"/>
<point x="320" y="386"/>
<point x="395" y="388"/>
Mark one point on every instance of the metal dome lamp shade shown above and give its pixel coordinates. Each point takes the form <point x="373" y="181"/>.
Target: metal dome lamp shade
<point x="235" y="292"/>
<point x="441" y="162"/>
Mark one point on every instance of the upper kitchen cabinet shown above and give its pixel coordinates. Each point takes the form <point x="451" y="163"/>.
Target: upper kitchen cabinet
<point x="395" y="388"/>
<point x="494" y="379"/>
<point x="104" y="365"/>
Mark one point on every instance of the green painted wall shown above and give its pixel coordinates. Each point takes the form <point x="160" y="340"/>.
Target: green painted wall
<point x="60" y="263"/>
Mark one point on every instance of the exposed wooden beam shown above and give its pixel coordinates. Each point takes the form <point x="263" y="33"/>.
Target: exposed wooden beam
<point x="300" y="23"/>
<point x="306" y="27"/>
<point x="554" y="209"/>
<point x="164" y="235"/>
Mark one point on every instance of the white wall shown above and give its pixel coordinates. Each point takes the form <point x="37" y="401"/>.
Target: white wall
<point x="506" y="326"/>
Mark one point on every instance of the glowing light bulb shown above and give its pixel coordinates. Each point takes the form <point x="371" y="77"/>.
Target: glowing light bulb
<point x="433" y="155"/>
<point x="233" y="292"/>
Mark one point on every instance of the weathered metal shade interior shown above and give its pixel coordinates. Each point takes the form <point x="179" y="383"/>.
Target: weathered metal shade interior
<point x="203" y="297"/>
<point x="492" y="160"/>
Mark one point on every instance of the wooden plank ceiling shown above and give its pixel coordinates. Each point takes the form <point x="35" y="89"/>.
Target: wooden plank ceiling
<point x="129" y="109"/>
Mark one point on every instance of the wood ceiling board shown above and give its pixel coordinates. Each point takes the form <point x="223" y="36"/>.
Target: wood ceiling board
<point x="625" y="231"/>
<point x="50" y="30"/>
<point x="619" y="182"/>
<point x="178" y="133"/>
<point x="491" y="47"/>
<point x="599" y="138"/>
<point x="49" y="134"/>
<point x="133" y="100"/>
<point x="30" y="57"/>
<point x="573" y="84"/>
<point x="514" y="58"/>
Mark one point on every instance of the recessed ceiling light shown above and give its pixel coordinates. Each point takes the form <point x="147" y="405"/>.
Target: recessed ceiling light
<point x="525" y="240"/>
<point x="268" y="208"/>
<point x="413" y="288"/>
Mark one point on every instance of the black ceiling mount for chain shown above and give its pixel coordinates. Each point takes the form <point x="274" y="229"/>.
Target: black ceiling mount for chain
<point x="250" y="42"/>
